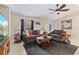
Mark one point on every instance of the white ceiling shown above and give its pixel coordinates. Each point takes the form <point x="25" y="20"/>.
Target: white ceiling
<point x="41" y="10"/>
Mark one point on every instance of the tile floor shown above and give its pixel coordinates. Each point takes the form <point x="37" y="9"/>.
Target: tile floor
<point x="77" y="52"/>
<point x="17" y="49"/>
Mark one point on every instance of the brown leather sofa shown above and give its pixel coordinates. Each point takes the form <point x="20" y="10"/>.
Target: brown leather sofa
<point x="58" y="34"/>
<point x="32" y="36"/>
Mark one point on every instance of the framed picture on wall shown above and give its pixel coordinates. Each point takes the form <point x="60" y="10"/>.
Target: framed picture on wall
<point x="66" y="24"/>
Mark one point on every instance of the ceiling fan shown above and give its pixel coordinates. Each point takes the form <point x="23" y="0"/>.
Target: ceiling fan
<point x="59" y="9"/>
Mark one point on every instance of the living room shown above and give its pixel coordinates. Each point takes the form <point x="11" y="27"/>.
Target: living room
<point x="61" y="26"/>
<point x="56" y="24"/>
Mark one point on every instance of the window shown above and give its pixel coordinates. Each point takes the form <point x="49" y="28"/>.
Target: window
<point x="50" y="27"/>
<point x="3" y="25"/>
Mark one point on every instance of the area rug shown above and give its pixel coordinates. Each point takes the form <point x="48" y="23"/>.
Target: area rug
<point x="56" y="48"/>
<point x="34" y="49"/>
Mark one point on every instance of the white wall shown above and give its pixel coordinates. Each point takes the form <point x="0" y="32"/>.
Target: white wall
<point x="44" y="25"/>
<point x="75" y="27"/>
<point x="16" y="22"/>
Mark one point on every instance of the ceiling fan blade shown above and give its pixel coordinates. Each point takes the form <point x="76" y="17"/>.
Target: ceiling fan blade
<point x="62" y="6"/>
<point x="51" y="12"/>
<point x="64" y="10"/>
<point x="52" y="9"/>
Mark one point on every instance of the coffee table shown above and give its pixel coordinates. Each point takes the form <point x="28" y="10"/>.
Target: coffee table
<point x="44" y="42"/>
